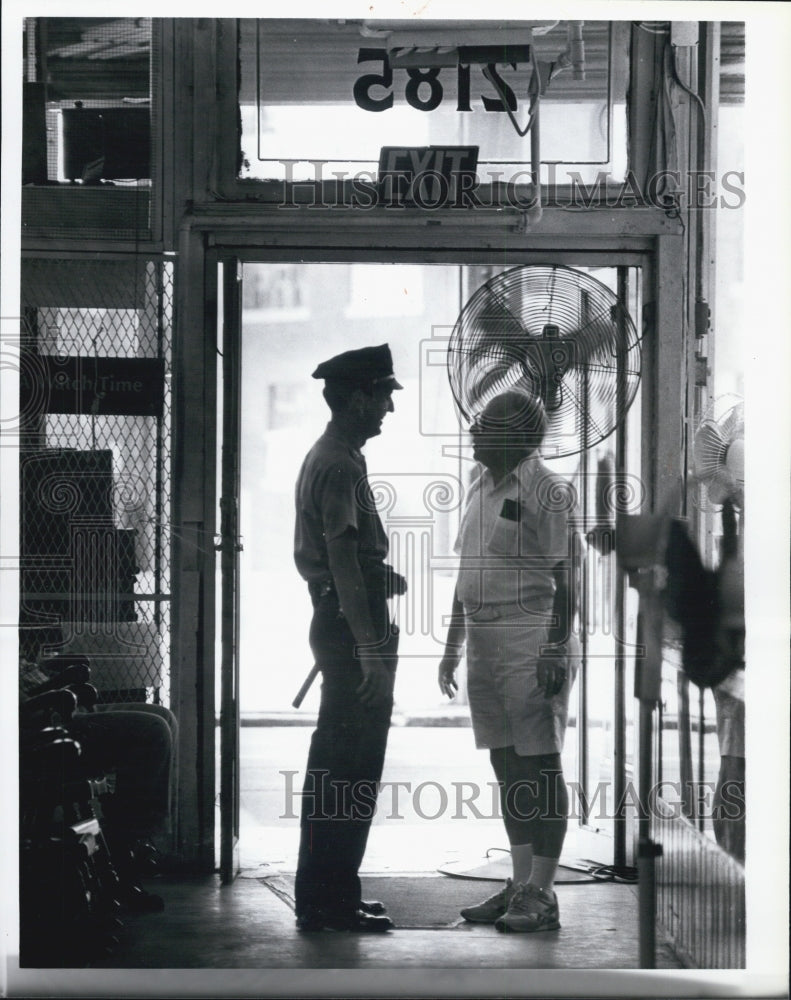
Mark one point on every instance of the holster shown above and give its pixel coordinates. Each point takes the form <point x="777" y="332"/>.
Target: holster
<point x="380" y="580"/>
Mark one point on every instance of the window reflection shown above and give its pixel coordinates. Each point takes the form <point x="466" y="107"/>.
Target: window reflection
<point x="87" y="101"/>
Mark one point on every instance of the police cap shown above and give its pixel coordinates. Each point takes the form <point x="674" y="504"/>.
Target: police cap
<point x="366" y="366"/>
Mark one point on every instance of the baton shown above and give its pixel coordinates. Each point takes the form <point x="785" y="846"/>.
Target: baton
<point x="315" y="671"/>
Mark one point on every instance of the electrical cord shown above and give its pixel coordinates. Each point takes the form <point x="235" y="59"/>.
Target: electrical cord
<point x="677" y="79"/>
<point x="643" y="25"/>
<point x="597" y="872"/>
<point x="614" y="873"/>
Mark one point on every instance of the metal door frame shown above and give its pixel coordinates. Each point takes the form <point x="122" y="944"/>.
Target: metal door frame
<point x="229" y="547"/>
<point x="648" y="239"/>
<point x="229" y="792"/>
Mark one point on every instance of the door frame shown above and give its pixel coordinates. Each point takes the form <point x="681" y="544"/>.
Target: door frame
<point x="656" y="244"/>
<point x="229" y="546"/>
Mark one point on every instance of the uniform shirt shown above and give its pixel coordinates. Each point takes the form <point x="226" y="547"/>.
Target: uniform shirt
<point x="332" y="495"/>
<point x="511" y="536"/>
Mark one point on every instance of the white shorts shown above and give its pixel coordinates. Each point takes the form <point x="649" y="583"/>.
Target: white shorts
<point x="506" y="704"/>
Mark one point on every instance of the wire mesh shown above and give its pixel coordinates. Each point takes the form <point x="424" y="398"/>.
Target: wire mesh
<point x="700" y="896"/>
<point x="95" y="467"/>
<point x="700" y="888"/>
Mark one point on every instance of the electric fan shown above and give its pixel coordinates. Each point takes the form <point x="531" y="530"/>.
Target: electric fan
<point x="718" y="452"/>
<point x="557" y="333"/>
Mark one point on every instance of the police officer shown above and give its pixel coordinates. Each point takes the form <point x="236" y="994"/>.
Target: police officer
<point x="339" y="549"/>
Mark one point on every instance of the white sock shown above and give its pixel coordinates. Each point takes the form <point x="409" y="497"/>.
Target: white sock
<point x="522" y="861"/>
<point x="543" y="872"/>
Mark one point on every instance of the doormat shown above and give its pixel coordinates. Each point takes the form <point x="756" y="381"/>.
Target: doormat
<point x="413" y="902"/>
<point x="428" y="901"/>
<point x="497" y="868"/>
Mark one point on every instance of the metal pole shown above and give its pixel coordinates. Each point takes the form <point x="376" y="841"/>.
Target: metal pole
<point x="647" y="850"/>
<point x="619" y="708"/>
<point x="586" y="600"/>
<point x="648" y="686"/>
<point x="159" y="484"/>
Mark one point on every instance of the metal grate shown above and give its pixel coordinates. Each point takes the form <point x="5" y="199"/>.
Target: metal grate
<point x="699" y="887"/>
<point x="95" y="466"/>
<point x="700" y="896"/>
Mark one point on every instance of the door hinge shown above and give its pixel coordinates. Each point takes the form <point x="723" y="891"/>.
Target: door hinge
<point x="702" y="370"/>
<point x="702" y="318"/>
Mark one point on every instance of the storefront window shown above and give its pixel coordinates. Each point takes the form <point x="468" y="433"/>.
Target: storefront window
<point x="300" y="109"/>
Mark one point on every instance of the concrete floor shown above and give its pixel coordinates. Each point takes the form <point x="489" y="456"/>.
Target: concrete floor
<point x="246" y="925"/>
<point x="240" y="940"/>
<point x="212" y="938"/>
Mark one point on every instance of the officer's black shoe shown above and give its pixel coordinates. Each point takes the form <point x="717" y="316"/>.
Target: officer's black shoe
<point x="359" y="921"/>
<point x="373" y="906"/>
<point x="310" y="920"/>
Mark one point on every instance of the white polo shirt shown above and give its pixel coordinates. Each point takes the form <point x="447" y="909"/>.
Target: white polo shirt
<point x="512" y="535"/>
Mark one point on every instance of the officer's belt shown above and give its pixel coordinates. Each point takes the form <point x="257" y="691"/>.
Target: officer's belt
<point x="324" y="588"/>
<point x="491" y="612"/>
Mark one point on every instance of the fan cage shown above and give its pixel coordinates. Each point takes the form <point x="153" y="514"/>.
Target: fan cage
<point x="558" y="333"/>
<point x="718" y="456"/>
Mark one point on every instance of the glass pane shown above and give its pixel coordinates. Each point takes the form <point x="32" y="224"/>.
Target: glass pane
<point x="294" y="316"/>
<point x="328" y="91"/>
<point x="87" y="108"/>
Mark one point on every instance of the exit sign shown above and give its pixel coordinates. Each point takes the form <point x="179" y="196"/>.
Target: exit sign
<point x="427" y="176"/>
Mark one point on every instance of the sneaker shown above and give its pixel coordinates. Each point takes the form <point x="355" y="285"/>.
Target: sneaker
<point x="490" y="909"/>
<point x="531" y="909"/>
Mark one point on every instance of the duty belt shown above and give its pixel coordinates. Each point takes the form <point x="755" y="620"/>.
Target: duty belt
<point x="491" y="612"/>
<point x="374" y="578"/>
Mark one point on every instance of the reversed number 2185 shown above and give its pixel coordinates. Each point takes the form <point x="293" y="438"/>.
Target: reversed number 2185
<point x="423" y="89"/>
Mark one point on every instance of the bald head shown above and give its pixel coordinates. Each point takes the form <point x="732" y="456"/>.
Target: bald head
<point x="516" y="412"/>
<point x="509" y="428"/>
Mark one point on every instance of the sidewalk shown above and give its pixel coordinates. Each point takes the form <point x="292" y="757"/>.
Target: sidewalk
<point x="450" y="715"/>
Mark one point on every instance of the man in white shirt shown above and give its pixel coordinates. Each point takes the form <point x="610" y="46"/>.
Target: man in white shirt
<point x="512" y="610"/>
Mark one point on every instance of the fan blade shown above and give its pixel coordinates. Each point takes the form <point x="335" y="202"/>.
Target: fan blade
<point x="591" y="323"/>
<point x="732" y="426"/>
<point x="719" y="485"/>
<point x="492" y="380"/>
<point x="708" y="451"/>
<point x="492" y="315"/>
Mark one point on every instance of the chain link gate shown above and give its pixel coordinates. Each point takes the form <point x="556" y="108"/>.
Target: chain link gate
<point x="95" y="463"/>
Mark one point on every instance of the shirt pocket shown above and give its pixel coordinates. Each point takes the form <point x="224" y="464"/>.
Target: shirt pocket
<point x="503" y="539"/>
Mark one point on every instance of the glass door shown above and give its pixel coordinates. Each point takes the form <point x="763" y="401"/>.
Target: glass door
<point x="295" y="315"/>
<point x="608" y="483"/>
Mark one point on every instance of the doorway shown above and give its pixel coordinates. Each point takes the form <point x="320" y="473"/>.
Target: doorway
<point x="438" y="794"/>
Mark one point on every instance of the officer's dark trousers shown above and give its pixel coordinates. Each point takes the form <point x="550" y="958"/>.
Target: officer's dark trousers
<point x="345" y="762"/>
